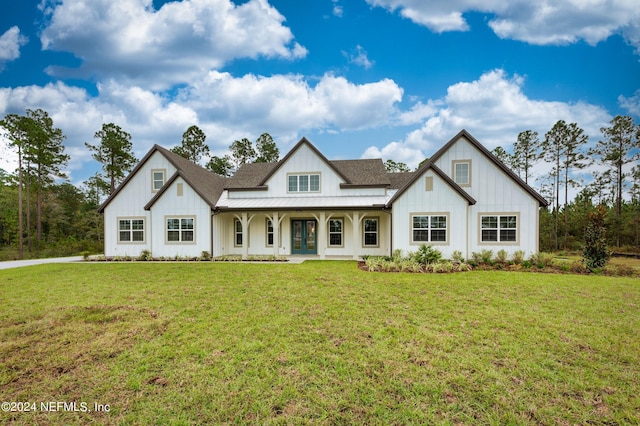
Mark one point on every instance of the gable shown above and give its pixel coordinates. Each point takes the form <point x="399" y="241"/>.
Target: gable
<point x="483" y="167"/>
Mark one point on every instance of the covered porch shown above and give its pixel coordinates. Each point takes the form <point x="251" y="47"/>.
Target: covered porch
<point x="312" y="234"/>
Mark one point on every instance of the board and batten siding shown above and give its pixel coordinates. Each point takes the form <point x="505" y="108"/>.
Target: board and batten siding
<point x="440" y="200"/>
<point x="129" y="203"/>
<point x="495" y="193"/>
<point x="174" y="205"/>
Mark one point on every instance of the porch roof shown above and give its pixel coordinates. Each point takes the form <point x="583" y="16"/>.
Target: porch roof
<point x="302" y="203"/>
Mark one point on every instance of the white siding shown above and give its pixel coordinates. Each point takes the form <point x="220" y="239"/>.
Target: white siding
<point x="130" y="202"/>
<point x="189" y="205"/>
<point x="441" y="200"/>
<point x="495" y="192"/>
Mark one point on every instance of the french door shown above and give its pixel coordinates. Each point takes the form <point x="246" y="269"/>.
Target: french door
<point x="303" y="237"/>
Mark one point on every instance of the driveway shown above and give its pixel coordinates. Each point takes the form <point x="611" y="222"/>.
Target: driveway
<point x="18" y="263"/>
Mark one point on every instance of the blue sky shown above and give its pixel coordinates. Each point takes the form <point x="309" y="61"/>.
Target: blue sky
<point x="394" y="79"/>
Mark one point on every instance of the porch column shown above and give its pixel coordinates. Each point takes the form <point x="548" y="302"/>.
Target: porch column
<point x="322" y="236"/>
<point x="356" y="235"/>
<point x="245" y="236"/>
<point x="275" y="222"/>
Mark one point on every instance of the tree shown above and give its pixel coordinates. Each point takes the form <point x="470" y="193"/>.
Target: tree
<point x="502" y="155"/>
<point x="221" y="165"/>
<point x="554" y="141"/>
<point x="267" y="151"/>
<point x="192" y="147"/>
<point x="16" y="128"/>
<point x="526" y="151"/>
<point x="573" y="159"/>
<point x="395" y="167"/>
<point x="114" y="152"/>
<point x="242" y="152"/>
<point x="595" y="254"/>
<point x="619" y="147"/>
<point x="46" y="153"/>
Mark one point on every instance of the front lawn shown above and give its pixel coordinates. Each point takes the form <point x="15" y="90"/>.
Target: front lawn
<point x="320" y="343"/>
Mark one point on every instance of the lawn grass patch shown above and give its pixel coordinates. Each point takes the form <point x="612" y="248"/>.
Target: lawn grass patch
<point x="320" y="342"/>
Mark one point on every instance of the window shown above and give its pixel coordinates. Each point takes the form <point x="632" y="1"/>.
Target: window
<point x="131" y="230"/>
<point x="499" y="228"/>
<point x="370" y="232"/>
<point x="335" y="232"/>
<point x="429" y="229"/>
<point x="157" y="180"/>
<point x="238" y="233"/>
<point x="269" y="233"/>
<point x="180" y="229"/>
<point x="462" y="172"/>
<point x="304" y="183"/>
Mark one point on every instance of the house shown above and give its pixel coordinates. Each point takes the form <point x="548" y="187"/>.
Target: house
<point x="463" y="198"/>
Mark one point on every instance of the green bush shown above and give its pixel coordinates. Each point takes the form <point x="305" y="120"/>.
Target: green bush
<point x="502" y="256"/>
<point x="145" y="255"/>
<point x="595" y="254"/>
<point x="456" y="256"/>
<point x="518" y="257"/>
<point x="426" y="255"/>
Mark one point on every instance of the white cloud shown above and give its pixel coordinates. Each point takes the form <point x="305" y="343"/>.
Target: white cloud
<point x="10" y="43"/>
<point x="632" y="104"/>
<point x="225" y="107"/>
<point x="128" y="39"/>
<point x="494" y="109"/>
<point x="540" y="22"/>
<point x="359" y="57"/>
<point x="337" y="9"/>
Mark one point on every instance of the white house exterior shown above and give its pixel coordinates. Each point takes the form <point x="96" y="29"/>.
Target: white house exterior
<point x="462" y="199"/>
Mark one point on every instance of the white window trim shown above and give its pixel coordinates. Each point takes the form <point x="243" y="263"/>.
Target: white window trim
<point x="454" y="163"/>
<point x="166" y="230"/>
<point x="309" y="174"/>
<point x="329" y="233"/>
<point x="153" y="180"/>
<point x="131" y="218"/>
<point x="499" y="243"/>
<point x="364" y="232"/>
<point x="429" y="214"/>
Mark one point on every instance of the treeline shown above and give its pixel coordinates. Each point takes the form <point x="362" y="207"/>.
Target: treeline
<point x="615" y="185"/>
<point x="42" y="214"/>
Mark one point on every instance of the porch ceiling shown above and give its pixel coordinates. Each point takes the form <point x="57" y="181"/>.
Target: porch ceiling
<point x="291" y="203"/>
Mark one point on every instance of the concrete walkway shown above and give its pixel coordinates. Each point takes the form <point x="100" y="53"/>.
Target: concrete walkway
<point x="19" y="263"/>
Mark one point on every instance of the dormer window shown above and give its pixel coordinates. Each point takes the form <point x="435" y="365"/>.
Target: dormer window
<point x="157" y="180"/>
<point x="308" y="182"/>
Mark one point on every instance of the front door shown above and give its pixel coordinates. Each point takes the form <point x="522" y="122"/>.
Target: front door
<point x="303" y="237"/>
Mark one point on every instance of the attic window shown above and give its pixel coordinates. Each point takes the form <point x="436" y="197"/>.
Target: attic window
<point x="304" y="183"/>
<point x="462" y="172"/>
<point x="157" y="179"/>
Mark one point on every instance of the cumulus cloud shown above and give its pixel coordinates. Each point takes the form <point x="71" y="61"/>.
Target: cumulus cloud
<point x="287" y="102"/>
<point x="541" y="22"/>
<point x="632" y="104"/>
<point x="494" y="109"/>
<point x="225" y="107"/>
<point x="10" y="43"/>
<point x="129" y="39"/>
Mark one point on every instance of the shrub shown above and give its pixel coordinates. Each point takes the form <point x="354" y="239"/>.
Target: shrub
<point x="476" y="258"/>
<point x="541" y="259"/>
<point x="456" y="256"/>
<point x="205" y="255"/>
<point x="486" y="256"/>
<point x="426" y="255"/>
<point x="502" y="255"/>
<point x="396" y="256"/>
<point x="145" y="255"/>
<point x="518" y="257"/>
<point x="595" y="254"/>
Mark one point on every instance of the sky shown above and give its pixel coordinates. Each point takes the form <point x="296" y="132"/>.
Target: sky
<point x="390" y="79"/>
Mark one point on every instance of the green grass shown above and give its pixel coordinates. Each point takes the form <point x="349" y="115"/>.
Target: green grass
<point x="318" y="343"/>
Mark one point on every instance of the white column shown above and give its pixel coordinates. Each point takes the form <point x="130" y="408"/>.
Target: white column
<point x="356" y="235"/>
<point x="245" y="236"/>
<point x="275" y="221"/>
<point x="322" y="236"/>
